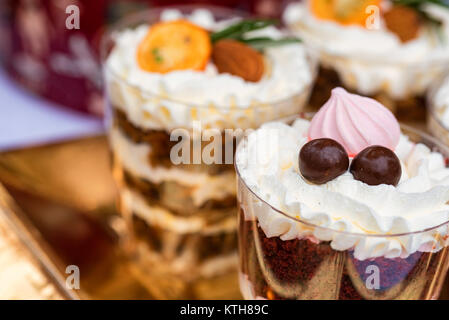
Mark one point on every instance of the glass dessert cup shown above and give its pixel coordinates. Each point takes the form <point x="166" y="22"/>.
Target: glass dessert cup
<point x="404" y="93"/>
<point x="307" y="268"/>
<point x="181" y="230"/>
<point x="410" y="107"/>
<point x="435" y="111"/>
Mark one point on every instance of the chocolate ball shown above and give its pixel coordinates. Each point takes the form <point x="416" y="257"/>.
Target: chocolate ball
<point x="376" y="165"/>
<point x="322" y="160"/>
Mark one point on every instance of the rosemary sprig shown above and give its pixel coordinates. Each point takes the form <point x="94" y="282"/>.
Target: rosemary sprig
<point x="418" y="3"/>
<point x="237" y="32"/>
<point x="265" y="42"/>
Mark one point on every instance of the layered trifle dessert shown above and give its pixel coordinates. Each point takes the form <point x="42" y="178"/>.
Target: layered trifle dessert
<point x="182" y="87"/>
<point x="391" y="50"/>
<point x="349" y="205"/>
<point x="438" y="111"/>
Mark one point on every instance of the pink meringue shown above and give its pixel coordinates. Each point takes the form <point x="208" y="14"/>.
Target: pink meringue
<point x="356" y="122"/>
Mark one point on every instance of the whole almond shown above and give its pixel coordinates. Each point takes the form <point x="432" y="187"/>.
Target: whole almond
<point x="236" y="58"/>
<point x="403" y="21"/>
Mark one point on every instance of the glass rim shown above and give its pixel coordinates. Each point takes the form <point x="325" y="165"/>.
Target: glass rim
<point x="355" y="234"/>
<point x="153" y="13"/>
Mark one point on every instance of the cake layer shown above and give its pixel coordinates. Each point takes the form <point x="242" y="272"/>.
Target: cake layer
<point x="204" y="222"/>
<point x="191" y="254"/>
<point x="165" y="285"/>
<point x="272" y="268"/>
<point x="196" y="187"/>
<point x="412" y="108"/>
<point x="161" y="145"/>
<point x="178" y="199"/>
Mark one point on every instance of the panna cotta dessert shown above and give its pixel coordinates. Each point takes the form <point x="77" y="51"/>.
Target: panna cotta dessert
<point x="176" y="81"/>
<point x="438" y="111"/>
<point x="392" y="51"/>
<point x="346" y="205"/>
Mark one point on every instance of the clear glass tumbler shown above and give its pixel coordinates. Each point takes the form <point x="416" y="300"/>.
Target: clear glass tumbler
<point x="399" y="83"/>
<point x="181" y="216"/>
<point x="272" y="268"/>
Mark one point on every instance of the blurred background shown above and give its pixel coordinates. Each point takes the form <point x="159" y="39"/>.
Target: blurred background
<point x="61" y="65"/>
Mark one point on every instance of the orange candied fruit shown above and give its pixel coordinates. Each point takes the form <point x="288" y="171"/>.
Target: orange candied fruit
<point x="174" y="45"/>
<point x="346" y="12"/>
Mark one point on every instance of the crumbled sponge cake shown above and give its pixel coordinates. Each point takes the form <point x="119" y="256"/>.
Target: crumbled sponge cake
<point x="177" y="198"/>
<point x="159" y="141"/>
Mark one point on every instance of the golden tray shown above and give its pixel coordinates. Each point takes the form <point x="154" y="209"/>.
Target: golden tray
<point x="59" y="200"/>
<point x="62" y="195"/>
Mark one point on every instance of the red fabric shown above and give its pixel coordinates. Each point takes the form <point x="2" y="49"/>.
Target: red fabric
<point x="61" y="65"/>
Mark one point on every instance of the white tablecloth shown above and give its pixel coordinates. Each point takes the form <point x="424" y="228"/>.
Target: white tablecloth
<point x="26" y="120"/>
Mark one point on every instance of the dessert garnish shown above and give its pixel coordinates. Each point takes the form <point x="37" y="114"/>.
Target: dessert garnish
<point x="181" y="45"/>
<point x="376" y="165"/>
<point x="404" y="18"/>
<point x="355" y="122"/>
<point x="239" y="31"/>
<point x="322" y="160"/>
<point x="400" y="19"/>
<point x="175" y="45"/>
<point x="234" y="57"/>
<point x="346" y="12"/>
<point x="237" y="54"/>
<point x="404" y="21"/>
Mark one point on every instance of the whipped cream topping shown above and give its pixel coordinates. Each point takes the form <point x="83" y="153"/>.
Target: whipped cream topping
<point x="373" y="61"/>
<point x="268" y="165"/>
<point x="441" y="102"/>
<point x="175" y="99"/>
<point x="344" y="113"/>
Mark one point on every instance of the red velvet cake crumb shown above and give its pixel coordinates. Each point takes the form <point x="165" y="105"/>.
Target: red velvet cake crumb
<point x="292" y="260"/>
